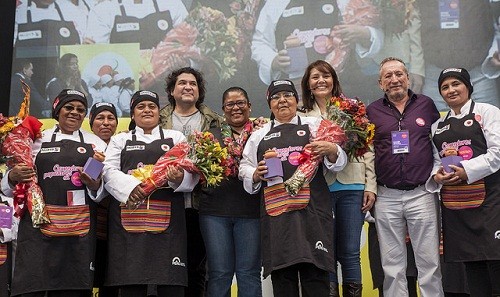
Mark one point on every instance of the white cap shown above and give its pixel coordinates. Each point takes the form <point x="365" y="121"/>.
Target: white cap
<point x="106" y="78"/>
<point x="93" y="79"/>
<point x="118" y="77"/>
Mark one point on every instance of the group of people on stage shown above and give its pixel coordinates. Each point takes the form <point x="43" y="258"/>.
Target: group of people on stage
<point x="189" y="239"/>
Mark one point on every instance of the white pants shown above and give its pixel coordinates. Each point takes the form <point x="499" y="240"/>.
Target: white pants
<point x="395" y="210"/>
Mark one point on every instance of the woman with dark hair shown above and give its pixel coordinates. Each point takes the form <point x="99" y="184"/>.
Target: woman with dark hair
<point x="229" y="216"/>
<point x="57" y="259"/>
<point x="146" y="246"/>
<point x="467" y="174"/>
<point x="352" y="189"/>
<point x="296" y="231"/>
<point x="67" y="76"/>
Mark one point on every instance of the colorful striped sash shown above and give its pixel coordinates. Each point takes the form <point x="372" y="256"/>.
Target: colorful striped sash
<point x="153" y="216"/>
<point x="463" y="196"/>
<point x="67" y="221"/>
<point x="277" y="200"/>
<point x="3" y="253"/>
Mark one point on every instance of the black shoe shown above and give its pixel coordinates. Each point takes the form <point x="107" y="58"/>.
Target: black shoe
<point x="334" y="290"/>
<point x="351" y="290"/>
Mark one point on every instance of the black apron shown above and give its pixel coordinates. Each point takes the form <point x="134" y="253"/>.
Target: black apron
<point x="49" y="261"/>
<point x="46" y="32"/>
<point x="297" y="236"/>
<point x="469" y="232"/>
<point x="147" y="254"/>
<point x="325" y="14"/>
<point x="148" y="31"/>
<point x="5" y="268"/>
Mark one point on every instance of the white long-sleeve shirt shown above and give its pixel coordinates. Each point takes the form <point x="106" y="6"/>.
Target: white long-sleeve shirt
<point x="250" y="160"/>
<point x="120" y="184"/>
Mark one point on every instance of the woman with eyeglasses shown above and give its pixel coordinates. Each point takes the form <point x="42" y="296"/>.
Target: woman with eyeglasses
<point x="57" y="259"/>
<point x="229" y="216"/>
<point x="296" y="232"/>
<point x="147" y="246"/>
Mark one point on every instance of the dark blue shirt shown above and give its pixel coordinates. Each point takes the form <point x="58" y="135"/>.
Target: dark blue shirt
<point x="407" y="169"/>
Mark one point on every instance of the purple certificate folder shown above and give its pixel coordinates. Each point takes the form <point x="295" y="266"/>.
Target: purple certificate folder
<point x="274" y="167"/>
<point x="298" y="61"/>
<point x="93" y="168"/>
<point x="6" y="216"/>
<point x="451" y="160"/>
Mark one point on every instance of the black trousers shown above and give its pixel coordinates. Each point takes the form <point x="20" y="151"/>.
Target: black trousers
<point x="483" y="278"/>
<point x="197" y="255"/>
<point x="314" y="282"/>
<point x="142" y="291"/>
<point x="60" y="293"/>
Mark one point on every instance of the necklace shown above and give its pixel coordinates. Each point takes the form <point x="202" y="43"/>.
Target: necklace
<point x="184" y="122"/>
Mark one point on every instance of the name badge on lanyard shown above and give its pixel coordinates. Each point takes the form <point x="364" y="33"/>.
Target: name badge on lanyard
<point x="400" y="142"/>
<point x="449" y="14"/>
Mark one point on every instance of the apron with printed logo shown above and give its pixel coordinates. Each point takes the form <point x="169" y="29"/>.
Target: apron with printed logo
<point x="46" y="32"/>
<point x="58" y="255"/>
<point x="470" y="212"/>
<point x="296" y="229"/>
<point x="154" y="234"/>
<point x="148" y="31"/>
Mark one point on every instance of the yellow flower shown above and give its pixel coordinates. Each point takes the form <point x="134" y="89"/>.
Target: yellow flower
<point x="370" y="131"/>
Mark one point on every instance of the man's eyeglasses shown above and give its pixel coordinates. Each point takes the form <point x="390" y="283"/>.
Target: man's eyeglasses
<point x="286" y="95"/>
<point x="240" y="104"/>
<point x="70" y="108"/>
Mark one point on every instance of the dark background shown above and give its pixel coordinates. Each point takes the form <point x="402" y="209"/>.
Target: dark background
<point x="7" y="17"/>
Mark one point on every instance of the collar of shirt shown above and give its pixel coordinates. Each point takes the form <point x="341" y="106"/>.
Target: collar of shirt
<point x="295" y="120"/>
<point x="463" y="111"/>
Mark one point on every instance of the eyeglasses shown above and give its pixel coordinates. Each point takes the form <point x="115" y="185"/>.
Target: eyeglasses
<point x="286" y="95"/>
<point x="240" y="104"/>
<point x="70" y="108"/>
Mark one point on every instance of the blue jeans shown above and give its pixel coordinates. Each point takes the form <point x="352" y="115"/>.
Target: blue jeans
<point x="348" y="224"/>
<point x="233" y="247"/>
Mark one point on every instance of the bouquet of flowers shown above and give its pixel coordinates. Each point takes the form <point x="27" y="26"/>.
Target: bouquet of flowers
<point x="234" y="147"/>
<point x="17" y="134"/>
<point x="396" y="15"/>
<point x="350" y="115"/>
<point x="205" y="36"/>
<point x="327" y="131"/>
<point x="202" y="155"/>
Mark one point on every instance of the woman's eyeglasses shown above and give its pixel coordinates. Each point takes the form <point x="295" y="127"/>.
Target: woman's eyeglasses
<point x="286" y="95"/>
<point x="70" y="108"/>
<point x="230" y="105"/>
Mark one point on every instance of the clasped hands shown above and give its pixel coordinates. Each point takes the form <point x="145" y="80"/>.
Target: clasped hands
<point x="453" y="178"/>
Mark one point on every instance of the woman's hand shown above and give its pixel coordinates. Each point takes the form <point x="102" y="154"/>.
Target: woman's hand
<point x="452" y="178"/>
<point x="260" y="171"/>
<point x="21" y="174"/>
<point x="92" y="184"/>
<point x="175" y="175"/>
<point x="368" y="201"/>
<point x="351" y="34"/>
<point x="259" y="123"/>
<point x="320" y="149"/>
<point x="136" y="196"/>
